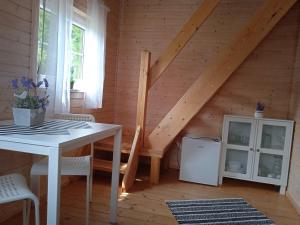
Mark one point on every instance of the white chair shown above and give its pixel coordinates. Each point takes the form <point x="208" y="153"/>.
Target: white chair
<point x="13" y="187"/>
<point x="71" y="166"/>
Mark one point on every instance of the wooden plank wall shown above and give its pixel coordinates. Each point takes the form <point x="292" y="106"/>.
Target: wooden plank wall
<point x="15" y="44"/>
<point x="80" y="4"/>
<point x="265" y="76"/>
<point x="294" y="178"/>
<point x="106" y="113"/>
<point x="15" y="31"/>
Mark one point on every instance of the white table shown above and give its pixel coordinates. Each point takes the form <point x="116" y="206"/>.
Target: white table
<point x="53" y="146"/>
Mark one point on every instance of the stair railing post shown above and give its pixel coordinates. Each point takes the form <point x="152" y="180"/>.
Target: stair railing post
<point x="138" y="141"/>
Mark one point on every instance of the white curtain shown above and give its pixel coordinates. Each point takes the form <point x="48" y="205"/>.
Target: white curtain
<point x="62" y="95"/>
<point x="94" y="53"/>
<point x="57" y="54"/>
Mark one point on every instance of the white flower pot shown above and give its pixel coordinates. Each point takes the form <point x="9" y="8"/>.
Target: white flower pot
<point x="258" y="114"/>
<point x="28" y="117"/>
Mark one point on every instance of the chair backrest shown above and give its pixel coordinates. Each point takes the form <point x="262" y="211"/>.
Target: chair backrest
<point x="78" y="117"/>
<point x="13" y="187"/>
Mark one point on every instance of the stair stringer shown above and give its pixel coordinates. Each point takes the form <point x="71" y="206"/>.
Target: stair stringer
<point x="216" y="74"/>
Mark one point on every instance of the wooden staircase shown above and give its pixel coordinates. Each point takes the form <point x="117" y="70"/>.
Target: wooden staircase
<point x="105" y="165"/>
<point x="100" y="164"/>
<point x="127" y="169"/>
<point x="212" y="78"/>
<point x="201" y="91"/>
<point x="133" y="150"/>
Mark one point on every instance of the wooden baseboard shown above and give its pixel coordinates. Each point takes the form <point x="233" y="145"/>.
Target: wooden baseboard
<point x="294" y="203"/>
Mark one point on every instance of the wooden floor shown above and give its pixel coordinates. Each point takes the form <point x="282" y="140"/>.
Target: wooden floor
<point x="145" y="204"/>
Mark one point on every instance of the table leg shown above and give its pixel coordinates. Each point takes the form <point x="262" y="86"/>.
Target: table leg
<point x="53" y="206"/>
<point x="115" y="177"/>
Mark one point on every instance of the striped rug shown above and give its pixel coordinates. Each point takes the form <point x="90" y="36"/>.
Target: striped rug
<point x="227" y="211"/>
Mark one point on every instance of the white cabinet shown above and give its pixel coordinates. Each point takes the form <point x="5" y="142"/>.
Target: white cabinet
<point x="256" y="149"/>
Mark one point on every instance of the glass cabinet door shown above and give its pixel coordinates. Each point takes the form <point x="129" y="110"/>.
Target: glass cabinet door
<point x="239" y="133"/>
<point x="236" y="161"/>
<point x="273" y="137"/>
<point x="271" y="150"/>
<point x="238" y="136"/>
<point x="270" y="166"/>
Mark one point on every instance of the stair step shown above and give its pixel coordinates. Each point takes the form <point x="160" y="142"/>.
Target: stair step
<point x="106" y="165"/>
<point x="126" y="147"/>
<point x="106" y="146"/>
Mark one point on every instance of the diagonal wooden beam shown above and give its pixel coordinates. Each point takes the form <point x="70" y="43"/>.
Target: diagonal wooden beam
<point x="186" y="33"/>
<point x="132" y="165"/>
<point x="215" y="75"/>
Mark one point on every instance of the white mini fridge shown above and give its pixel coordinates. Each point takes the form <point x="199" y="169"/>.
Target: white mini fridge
<point x="200" y="160"/>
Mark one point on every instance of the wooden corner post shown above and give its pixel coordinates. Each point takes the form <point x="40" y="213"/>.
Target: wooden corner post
<point x="143" y="93"/>
<point x="138" y="141"/>
<point x="155" y="170"/>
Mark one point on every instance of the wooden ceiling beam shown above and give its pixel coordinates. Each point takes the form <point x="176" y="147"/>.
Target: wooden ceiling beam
<point x="181" y="39"/>
<point x="215" y="75"/>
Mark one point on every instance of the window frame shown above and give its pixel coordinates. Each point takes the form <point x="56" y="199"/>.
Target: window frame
<point x="78" y="53"/>
<point x="79" y="20"/>
<point x="47" y="10"/>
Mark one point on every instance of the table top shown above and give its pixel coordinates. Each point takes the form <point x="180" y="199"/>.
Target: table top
<point x="58" y="137"/>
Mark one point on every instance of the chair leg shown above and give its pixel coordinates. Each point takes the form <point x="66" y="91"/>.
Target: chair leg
<point x="35" y="184"/>
<point x="37" y="212"/>
<point x="25" y="213"/>
<point x="91" y="186"/>
<point x="28" y="208"/>
<point x="87" y="201"/>
<point x="91" y="171"/>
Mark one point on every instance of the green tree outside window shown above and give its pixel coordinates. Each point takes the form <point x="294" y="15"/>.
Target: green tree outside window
<point x="77" y="54"/>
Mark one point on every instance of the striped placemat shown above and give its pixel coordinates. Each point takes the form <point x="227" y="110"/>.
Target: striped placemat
<point x="229" y="211"/>
<point x="55" y="127"/>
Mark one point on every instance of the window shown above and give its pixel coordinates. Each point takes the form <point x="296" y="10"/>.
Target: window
<point x="77" y="50"/>
<point x="43" y="39"/>
<point x="77" y="53"/>
<point x="77" y="45"/>
<point x="71" y="48"/>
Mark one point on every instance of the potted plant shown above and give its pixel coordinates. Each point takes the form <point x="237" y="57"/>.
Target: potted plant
<point x="259" y="110"/>
<point x="30" y="101"/>
<point x="72" y="79"/>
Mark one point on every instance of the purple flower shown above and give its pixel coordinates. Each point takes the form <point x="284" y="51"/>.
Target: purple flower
<point x="46" y="83"/>
<point x="15" y="84"/>
<point x="39" y="83"/>
<point x="33" y="84"/>
<point x="26" y="82"/>
<point x="30" y="99"/>
<point x="23" y="81"/>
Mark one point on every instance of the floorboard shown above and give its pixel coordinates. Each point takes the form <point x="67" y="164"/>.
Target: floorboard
<point x="144" y="205"/>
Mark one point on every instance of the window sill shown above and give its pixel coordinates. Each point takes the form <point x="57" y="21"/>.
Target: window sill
<point x="76" y="91"/>
<point x="77" y="94"/>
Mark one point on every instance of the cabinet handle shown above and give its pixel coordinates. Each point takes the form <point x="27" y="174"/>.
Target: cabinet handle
<point x="257" y="150"/>
<point x="251" y="149"/>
